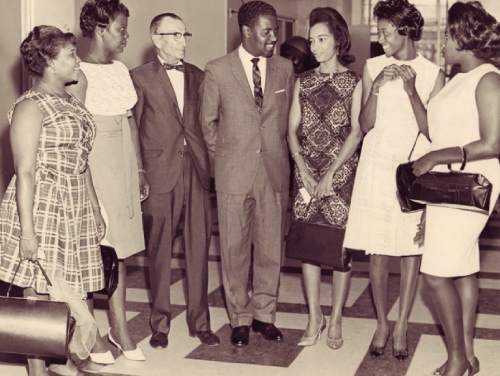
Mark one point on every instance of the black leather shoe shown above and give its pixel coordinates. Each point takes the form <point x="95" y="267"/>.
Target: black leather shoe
<point x="239" y="336"/>
<point x="207" y="337"/>
<point x="268" y="330"/>
<point x="159" y="339"/>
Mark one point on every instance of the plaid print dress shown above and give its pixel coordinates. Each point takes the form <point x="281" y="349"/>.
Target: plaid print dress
<point x="62" y="211"/>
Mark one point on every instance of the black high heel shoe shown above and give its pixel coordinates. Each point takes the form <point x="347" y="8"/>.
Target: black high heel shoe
<point x="375" y="351"/>
<point x="400" y="355"/>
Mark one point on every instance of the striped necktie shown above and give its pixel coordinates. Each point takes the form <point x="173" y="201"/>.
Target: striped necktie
<point x="257" y="89"/>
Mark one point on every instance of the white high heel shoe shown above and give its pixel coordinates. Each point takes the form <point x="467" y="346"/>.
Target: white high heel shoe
<point x="311" y="341"/>
<point x="135" y="354"/>
<point x="102" y="358"/>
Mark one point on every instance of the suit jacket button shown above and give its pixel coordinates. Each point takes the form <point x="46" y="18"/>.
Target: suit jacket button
<point x="258" y="150"/>
<point x="179" y="152"/>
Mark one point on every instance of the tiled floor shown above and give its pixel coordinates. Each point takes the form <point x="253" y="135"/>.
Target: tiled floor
<point x="185" y="355"/>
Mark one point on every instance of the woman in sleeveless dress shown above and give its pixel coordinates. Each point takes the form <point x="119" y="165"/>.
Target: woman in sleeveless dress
<point x="464" y="126"/>
<point x="106" y="89"/>
<point x="324" y="135"/>
<point x="396" y="89"/>
<point x="50" y="211"/>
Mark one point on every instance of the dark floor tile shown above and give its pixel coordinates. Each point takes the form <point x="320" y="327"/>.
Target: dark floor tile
<point x="259" y="351"/>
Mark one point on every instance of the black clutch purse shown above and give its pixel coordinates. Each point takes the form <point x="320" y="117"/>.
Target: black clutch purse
<point x="317" y="243"/>
<point x="110" y="265"/>
<point x="30" y="326"/>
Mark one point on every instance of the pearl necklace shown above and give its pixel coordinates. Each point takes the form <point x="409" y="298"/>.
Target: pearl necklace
<point x="93" y="58"/>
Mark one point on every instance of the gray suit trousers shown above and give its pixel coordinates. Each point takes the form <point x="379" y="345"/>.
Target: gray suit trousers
<point x="257" y="217"/>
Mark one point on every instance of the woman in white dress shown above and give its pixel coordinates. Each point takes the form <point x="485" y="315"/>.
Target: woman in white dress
<point x="396" y="89"/>
<point x="464" y="126"/>
<point x="107" y="90"/>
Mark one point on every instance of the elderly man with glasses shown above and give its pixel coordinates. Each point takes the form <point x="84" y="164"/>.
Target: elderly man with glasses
<point x="176" y="162"/>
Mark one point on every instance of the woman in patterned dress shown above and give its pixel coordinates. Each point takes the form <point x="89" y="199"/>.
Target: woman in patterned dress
<point x="323" y="135"/>
<point x="464" y="125"/>
<point x="396" y="89"/>
<point x="50" y="211"/>
<point x="106" y="89"/>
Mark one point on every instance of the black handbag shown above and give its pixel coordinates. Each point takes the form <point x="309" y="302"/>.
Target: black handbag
<point x="319" y="244"/>
<point x="110" y="265"/>
<point x="404" y="180"/>
<point x="453" y="189"/>
<point x="30" y="326"/>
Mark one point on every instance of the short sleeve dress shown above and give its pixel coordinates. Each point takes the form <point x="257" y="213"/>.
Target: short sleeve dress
<point x="110" y="97"/>
<point x="325" y="104"/>
<point x="452" y="235"/>
<point x="376" y="223"/>
<point x="62" y="211"/>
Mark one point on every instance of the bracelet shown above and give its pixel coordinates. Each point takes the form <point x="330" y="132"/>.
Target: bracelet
<point x="141" y="170"/>
<point x="296" y="154"/>
<point x="464" y="158"/>
<point x="374" y="93"/>
<point x="23" y="238"/>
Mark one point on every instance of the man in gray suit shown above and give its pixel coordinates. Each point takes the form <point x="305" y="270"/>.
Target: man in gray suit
<point x="246" y="98"/>
<point x="176" y="162"/>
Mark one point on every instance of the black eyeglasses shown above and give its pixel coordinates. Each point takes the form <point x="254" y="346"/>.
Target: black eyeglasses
<point x="177" y="35"/>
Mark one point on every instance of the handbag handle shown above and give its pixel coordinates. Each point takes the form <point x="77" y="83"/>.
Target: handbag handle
<point x="17" y="269"/>
<point x="413" y="147"/>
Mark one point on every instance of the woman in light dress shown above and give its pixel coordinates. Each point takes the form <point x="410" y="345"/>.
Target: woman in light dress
<point x="464" y="126"/>
<point x="396" y="89"/>
<point x="106" y="89"/>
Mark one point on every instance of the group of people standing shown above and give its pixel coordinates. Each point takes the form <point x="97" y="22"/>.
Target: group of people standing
<point x="91" y="141"/>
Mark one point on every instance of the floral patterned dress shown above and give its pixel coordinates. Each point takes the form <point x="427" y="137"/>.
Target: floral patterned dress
<point x="325" y="103"/>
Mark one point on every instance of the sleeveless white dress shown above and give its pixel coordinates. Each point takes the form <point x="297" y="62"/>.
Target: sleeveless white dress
<point x="376" y="223"/>
<point x="452" y="235"/>
<point x="110" y="97"/>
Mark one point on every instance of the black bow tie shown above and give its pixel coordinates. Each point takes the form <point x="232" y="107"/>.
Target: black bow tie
<point x="179" y="67"/>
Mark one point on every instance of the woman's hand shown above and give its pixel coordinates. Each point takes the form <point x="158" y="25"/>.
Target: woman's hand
<point x="389" y="73"/>
<point x="28" y="248"/>
<point x="144" y="186"/>
<point x="408" y="75"/>
<point x="309" y="182"/>
<point x="101" y="225"/>
<point x="424" y="164"/>
<point x="324" y="186"/>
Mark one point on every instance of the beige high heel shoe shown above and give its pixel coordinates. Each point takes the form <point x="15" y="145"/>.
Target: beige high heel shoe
<point x="311" y="341"/>
<point x="335" y="343"/>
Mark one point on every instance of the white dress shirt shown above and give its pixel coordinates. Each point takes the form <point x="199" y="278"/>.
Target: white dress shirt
<point x="177" y="79"/>
<point x="246" y="60"/>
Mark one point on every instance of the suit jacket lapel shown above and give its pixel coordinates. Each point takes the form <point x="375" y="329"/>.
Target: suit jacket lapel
<point x="239" y="74"/>
<point x="270" y="76"/>
<point x="164" y="81"/>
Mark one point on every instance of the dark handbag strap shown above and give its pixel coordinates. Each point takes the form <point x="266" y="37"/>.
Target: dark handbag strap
<point x="413" y="147"/>
<point x="17" y="269"/>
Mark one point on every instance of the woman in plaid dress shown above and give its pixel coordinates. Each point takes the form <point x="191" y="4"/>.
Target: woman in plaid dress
<point x="50" y="211"/>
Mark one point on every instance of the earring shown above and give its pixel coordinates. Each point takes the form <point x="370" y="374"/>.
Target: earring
<point x="54" y="71"/>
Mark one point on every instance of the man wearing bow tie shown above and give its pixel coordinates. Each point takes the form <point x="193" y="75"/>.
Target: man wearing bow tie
<point x="176" y="162"/>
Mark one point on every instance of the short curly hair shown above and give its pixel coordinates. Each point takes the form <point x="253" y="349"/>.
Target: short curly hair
<point x="338" y="28"/>
<point x="100" y="13"/>
<point x="249" y="13"/>
<point x="474" y="29"/>
<point x="41" y="45"/>
<point x="403" y="15"/>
